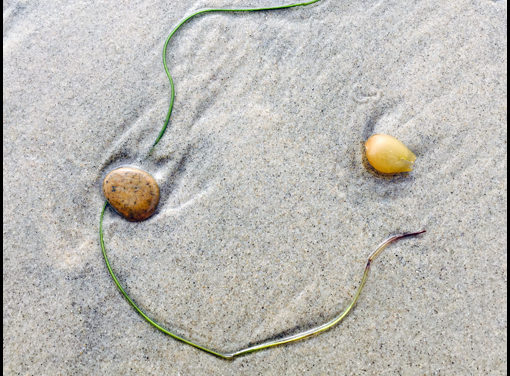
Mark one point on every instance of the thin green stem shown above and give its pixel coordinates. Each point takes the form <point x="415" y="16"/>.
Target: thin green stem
<point x="267" y="344"/>
<point x="186" y="19"/>
<point x="134" y="305"/>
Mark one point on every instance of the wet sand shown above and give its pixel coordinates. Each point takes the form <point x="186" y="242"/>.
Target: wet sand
<point x="267" y="211"/>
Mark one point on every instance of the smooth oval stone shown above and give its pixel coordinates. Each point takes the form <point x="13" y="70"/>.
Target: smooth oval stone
<point x="132" y="192"/>
<point x="388" y="155"/>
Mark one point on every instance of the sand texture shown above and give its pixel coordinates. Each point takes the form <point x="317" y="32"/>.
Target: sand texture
<point x="267" y="211"/>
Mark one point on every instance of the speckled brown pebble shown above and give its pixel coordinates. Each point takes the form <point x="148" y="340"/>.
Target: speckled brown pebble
<point x="132" y="192"/>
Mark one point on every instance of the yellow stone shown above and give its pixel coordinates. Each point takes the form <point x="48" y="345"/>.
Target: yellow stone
<point x="388" y="155"/>
<point x="132" y="192"/>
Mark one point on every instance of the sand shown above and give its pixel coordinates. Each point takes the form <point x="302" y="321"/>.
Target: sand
<point x="267" y="211"/>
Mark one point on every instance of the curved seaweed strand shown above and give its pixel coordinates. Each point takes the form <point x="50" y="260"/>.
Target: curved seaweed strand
<point x="266" y="344"/>
<point x="186" y="19"/>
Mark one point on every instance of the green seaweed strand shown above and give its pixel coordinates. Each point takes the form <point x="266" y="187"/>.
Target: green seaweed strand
<point x="172" y="88"/>
<point x="267" y="344"/>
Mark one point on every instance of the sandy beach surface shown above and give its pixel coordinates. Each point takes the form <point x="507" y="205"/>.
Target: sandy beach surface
<point x="267" y="211"/>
